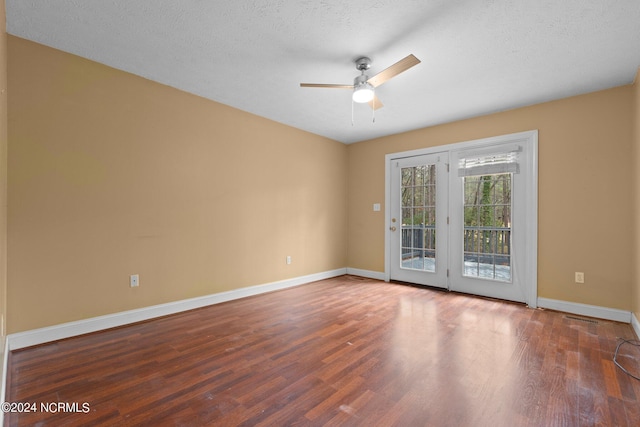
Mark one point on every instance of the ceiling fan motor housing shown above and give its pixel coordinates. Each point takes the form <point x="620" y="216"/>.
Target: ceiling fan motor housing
<point x="363" y="63"/>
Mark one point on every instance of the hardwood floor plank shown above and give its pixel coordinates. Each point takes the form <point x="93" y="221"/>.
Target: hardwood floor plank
<point x="352" y="413"/>
<point x="343" y="351"/>
<point x="330" y="406"/>
<point x="610" y="378"/>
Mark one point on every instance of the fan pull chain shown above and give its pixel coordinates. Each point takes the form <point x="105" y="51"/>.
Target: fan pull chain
<point x="352" y="102"/>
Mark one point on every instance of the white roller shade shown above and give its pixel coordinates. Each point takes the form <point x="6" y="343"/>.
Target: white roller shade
<point x="489" y="161"/>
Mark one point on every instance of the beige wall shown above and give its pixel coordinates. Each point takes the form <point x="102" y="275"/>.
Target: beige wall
<point x="112" y="175"/>
<point x="636" y="212"/>
<point x="3" y="172"/>
<point x="585" y="209"/>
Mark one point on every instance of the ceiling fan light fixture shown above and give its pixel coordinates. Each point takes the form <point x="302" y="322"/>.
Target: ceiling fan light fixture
<point x="363" y="93"/>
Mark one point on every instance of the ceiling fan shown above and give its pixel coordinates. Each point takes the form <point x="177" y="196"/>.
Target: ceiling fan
<point x="363" y="86"/>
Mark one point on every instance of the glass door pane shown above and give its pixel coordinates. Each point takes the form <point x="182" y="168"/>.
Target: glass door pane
<point x="487" y="227"/>
<point x="418" y="189"/>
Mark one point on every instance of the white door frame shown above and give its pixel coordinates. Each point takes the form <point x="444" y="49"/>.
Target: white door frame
<point x="529" y="138"/>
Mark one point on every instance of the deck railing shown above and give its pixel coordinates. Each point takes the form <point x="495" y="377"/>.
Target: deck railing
<point x="491" y="245"/>
<point x="479" y="242"/>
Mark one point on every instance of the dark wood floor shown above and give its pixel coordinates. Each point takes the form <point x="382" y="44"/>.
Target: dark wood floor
<point x="344" y="351"/>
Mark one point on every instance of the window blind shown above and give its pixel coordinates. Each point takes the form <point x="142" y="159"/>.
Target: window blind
<point x="489" y="161"/>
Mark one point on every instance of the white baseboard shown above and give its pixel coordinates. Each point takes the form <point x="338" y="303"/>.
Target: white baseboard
<point x="366" y="273"/>
<point x="636" y="325"/>
<point x="94" y="324"/>
<point x="586" y="310"/>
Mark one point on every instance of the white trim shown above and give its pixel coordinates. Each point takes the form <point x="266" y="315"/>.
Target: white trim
<point x="586" y="310"/>
<point x="464" y="145"/>
<point x="387" y="216"/>
<point x="531" y="268"/>
<point x="636" y="324"/>
<point x="369" y="274"/>
<point x="94" y="324"/>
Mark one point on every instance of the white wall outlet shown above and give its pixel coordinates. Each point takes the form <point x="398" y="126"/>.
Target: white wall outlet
<point x="579" y="277"/>
<point x="288" y="259"/>
<point x="376" y="207"/>
<point x="134" y="280"/>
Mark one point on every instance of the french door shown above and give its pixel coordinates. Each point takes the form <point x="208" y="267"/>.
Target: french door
<point x="464" y="217"/>
<point x="418" y="219"/>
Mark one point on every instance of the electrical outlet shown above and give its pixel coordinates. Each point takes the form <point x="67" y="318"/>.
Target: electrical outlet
<point x="579" y="277"/>
<point x="288" y="259"/>
<point x="134" y="280"/>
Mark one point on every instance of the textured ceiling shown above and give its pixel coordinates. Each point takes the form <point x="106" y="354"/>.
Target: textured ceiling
<point x="477" y="56"/>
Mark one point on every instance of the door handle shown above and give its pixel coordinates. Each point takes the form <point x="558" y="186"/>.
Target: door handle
<point x="392" y="228"/>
